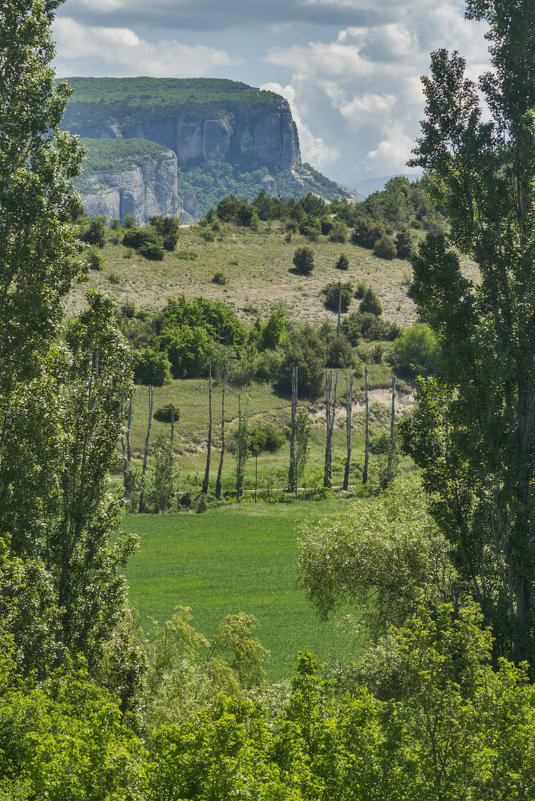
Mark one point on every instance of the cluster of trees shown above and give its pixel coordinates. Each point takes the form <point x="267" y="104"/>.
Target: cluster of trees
<point x="385" y="222"/>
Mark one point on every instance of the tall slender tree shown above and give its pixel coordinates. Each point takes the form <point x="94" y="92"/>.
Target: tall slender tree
<point x="474" y="431"/>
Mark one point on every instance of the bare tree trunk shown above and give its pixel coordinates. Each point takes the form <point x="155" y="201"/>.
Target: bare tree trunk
<point x="172" y="437"/>
<point x="146" y="453"/>
<point x="209" y="448"/>
<point x="392" y="425"/>
<point x="367" y="435"/>
<point x="220" y="468"/>
<point x="292" y="472"/>
<point x="128" y="427"/>
<point x="330" y="411"/>
<point x="349" y="414"/>
<point x="339" y="307"/>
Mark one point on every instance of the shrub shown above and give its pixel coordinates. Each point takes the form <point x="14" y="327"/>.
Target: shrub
<point x="415" y="352"/>
<point x="304" y="260"/>
<point x="94" y="259"/>
<point x="310" y="227"/>
<point x="338" y="232"/>
<point x="404" y="244"/>
<point x="370" y="303"/>
<point x="96" y="233"/>
<point x="326" y="226"/>
<point x="343" y="264"/>
<point x="164" y="414"/>
<point x="219" y="278"/>
<point x="340" y="353"/>
<point x="385" y="248"/>
<point x="332" y="292"/>
<point x="152" y="367"/>
<point x="138" y="237"/>
<point x="366" y="232"/>
<point x="152" y="251"/>
<point x="187" y="255"/>
<point x="305" y="349"/>
<point x="129" y="221"/>
<point x="360" y="290"/>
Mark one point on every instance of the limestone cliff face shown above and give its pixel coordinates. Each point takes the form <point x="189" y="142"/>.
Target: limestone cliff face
<point x="143" y="191"/>
<point x="270" y="140"/>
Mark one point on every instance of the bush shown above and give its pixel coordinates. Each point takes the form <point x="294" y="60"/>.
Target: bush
<point x="340" y="353"/>
<point x="332" y="292"/>
<point x="305" y="349"/>
<point x="138" y="237"/>
<point x="167" y="228"/>
<point x="338" y="232"/>
<point x="369" y="326"/>
<point x="366" y="232"/>
<point x="96" y="233"/>
<point x="152" y="251"/>
<point x="370" y="303"/>
<point x="304" y="260"/>
<point x="94" y="259"/>
<point x="310" y="227"/>
<point x="219" y="278"/>
<point x="415" y="352"/>
<point x="360" y="290"/>
<point x="129" y="221"/>
<point x="152" y="367"/>
<point x="385" y="248"/>
<point x="343" y="264"/>
<point x="187" y="255"/>
<point x="164" y="414"/>
<point x="404" y="244"/>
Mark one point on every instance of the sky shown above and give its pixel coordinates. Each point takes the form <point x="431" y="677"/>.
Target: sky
<point x="350" y="69"/>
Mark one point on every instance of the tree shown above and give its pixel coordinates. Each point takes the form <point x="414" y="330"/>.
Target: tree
<point x="474" y="431"/>
<point x="415" y="352"/>
<point x="385" y="248"/>
<point x="305" y="349"/>
<point x="164" y="478"/>
<point x="304" y="260"/>
<point x="342" y="263"/>
<point x="61" y="397"/>
<point x="337" y="293"/>
<point x="370" y="303"/>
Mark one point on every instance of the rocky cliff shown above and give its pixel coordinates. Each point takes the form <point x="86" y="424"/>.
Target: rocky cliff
<point x="199" y="120"/>
<point x="129" y="177"/>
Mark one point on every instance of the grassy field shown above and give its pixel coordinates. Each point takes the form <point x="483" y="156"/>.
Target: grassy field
<point x="234" y="559"/>
<point x="258" y="269"/>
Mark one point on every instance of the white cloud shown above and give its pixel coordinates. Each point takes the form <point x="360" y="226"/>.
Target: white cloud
<point x="313" y="148"/>
<point x="391" y="153"/>
<point x="120" y="52"/>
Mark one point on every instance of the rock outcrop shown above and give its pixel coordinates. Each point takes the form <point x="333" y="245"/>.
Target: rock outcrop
<point x="142" y="191"/>
<point x="258" y="131"/>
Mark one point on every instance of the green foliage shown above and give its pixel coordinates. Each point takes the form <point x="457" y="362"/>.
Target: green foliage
<point x="167" y="413"/>
<point x="342" y="263"/>
<point x="474" y="434"/>
<point x="303" y="430"/>
<point x="304" y="348"/>
<point x="94" y="259"/>
<point x="167" y="228"/>
<point x="338" y="233"/>
<point x="332" y="295"/>
<point x="384" y="558"/>
<point x="385" y="248"/>
<point x="304" y="260"/>
<point x="266" y="437"/>
<point x="118" y="155"/>
<point x="96" y="233"/>
<point x="370" y="303"/>
<point x="163" y="480"/>
<point x="415" y="352"/>
<point x="219" y="278"/>
<point x="190" y="332"/>
<point x="366" y="232"/>
<point x="152" y="367"/>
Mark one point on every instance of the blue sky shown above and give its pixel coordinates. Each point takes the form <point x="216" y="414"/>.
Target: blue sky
<point x="349" y="68"/>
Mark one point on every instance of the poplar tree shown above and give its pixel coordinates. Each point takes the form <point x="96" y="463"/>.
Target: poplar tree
<point x="61" y="391"/>
<point x="474" y="430"/>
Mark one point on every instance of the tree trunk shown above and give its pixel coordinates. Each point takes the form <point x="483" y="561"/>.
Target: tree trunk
<point x="330" y="411"/>
<point x="220" y="468"/>
<point x="292" y="472"/>
<point x="209" y="447"/>
<point x="392" y="426"/>
<point x="339" y="307"/>
<point x="367" y="434"/>
<point x="128" y="427"/>
<point x="349" y="414"/>
<point x="145" y="454"/>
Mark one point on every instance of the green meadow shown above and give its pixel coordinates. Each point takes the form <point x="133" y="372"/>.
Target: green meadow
<point x="236" y="559"/>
